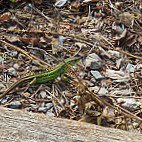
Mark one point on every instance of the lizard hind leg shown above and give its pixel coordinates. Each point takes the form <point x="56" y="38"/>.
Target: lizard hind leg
<point x="66" y="79"/>
<point x="33" y="81"/>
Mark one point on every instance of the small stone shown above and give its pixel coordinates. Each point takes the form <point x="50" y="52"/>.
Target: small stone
<point x="95" y="89"/>
<point x="43" y="94"/>
<point x="130" y="68"/>
<point x="61" y="100"/>
<point x="118" y="29"/>
<point x="139" y="66"/>
<point x="101" y="91"/>
<point x="104" y="53"/>
<point x="34" y="106"/>
<point x="129" y="103"/>
<point x="42" y="109"/>
<point x="118" y="76"/>
<point x="16" y="66"/>
<point x="3" y="101"/>
<point x="28" y="7"/>
<point x="72" y="103"/>
<point x="61" y="40"/>
<point x="1" y="59"/>
<point x="50" y="113"/>
<point x="93" y="80"/>
<point x="13" y="53"/>
<point x="82" y="74"/>
<point x="122" y="92"/>
<point x="114" y="54"/>
<point x="90" y="84"/>
<point x="48" y="105"/>
<point x="119" y="62"/>
<point x="60" y="3"/>
<point x="15" y="105"/>
<point x="93" y="61"/>
<point x="49" y="97"/>
<point x="43" y="104"/>
<point x="12" y="71"/>
<point x="97" y="75"/>
<point x="74" y="100"/>
<point x="27" y="108"/>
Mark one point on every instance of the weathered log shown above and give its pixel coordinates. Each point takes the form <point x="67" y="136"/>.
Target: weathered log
<point x="22" y="126"/>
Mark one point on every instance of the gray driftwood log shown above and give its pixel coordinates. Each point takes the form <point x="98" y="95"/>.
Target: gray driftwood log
<point x="21" y="126"/>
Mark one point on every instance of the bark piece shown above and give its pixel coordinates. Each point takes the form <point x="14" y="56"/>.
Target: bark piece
<point x="22" y="126"/>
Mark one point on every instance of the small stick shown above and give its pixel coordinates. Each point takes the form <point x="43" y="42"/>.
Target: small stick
<point x="101" y="102"/>
<point x="22" y="51"/>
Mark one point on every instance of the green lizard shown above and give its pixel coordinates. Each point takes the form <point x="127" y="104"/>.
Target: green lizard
<point x="44" y="77"/>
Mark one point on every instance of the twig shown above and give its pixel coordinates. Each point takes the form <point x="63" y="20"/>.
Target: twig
<point x="129" y="54"/>
<point x="76" y="37"/>
<point x="42" y="14"/>
<point x="48" y="32"/>
<point x="24" y="52"/>
<point x="113" y="96"/>
<point x="102" y="102"/>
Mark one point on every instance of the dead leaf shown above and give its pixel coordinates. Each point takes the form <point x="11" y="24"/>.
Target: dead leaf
<point x="75" y="5"/>
<point x="32" y="40"/>
<point x="2" y="67"/>
<point x="127" y="19"/>
<point x="80" y="45"/>
<point x="122" y="35"/>
<point x="129" y="40"/>
<point x="5" y="16"/>
<point x="26" y="94"/>
<point x="12" y="28"/>
<point x="139" y="39"/>
<point x="13" y="38"/>
<point x="55" y="46"/>
<point x="119" y="76"/>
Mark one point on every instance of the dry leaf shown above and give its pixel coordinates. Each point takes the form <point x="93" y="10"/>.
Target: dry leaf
<point x="32" y="40"/>
<point x="75" y="5"/>
<point x="119" y="76"/>
<point x="139" y="39"/>
<point x="26" y="94"/>
<point x="127" y="19"/>
<point x="55" y="46"/>
<point x="5" y="16"/>
<point x="13" y="38"/>
<point x="2" y="67"/>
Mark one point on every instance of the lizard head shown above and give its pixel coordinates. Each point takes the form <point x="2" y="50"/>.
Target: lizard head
<point x="72" y="61"/>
